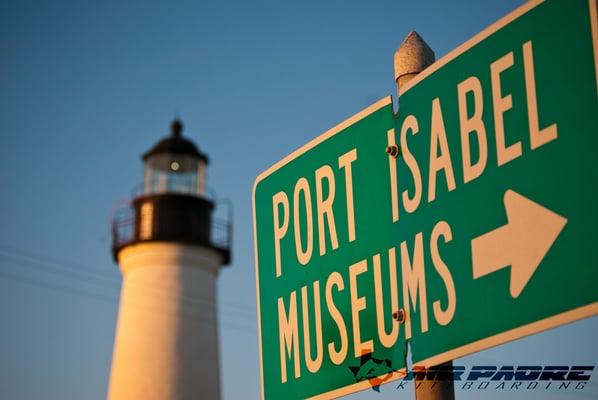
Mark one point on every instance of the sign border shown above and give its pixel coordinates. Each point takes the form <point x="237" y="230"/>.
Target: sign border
<point x="482" y="344"/>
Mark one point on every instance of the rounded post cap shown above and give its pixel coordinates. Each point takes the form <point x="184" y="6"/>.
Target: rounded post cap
<point x="413" y="56"/>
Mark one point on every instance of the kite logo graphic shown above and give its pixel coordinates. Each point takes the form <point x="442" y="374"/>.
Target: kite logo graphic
<point x="374" y="370"/>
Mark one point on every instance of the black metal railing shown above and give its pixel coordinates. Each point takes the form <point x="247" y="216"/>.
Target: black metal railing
<point x="125" y="224"/>
<point x="221" y="233"/>
<point x="124" y="232"/>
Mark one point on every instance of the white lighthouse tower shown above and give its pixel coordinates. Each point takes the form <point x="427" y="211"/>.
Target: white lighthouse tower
<point x="166" y="344"/>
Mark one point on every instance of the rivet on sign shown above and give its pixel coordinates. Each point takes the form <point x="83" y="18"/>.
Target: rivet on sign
<point x="393" y="150"/>
<point x="399" y="315"/>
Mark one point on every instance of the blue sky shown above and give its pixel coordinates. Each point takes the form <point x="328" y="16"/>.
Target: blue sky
<point x="86" y="87"/>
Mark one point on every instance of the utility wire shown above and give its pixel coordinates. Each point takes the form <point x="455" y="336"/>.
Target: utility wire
<point x="45" y="264"/>
<point x="60" y="288"/>
<point x="44" y="267"/>
<point x="138" y="288"/>
<point x="112" y="300"/>
<point x="88" y="275"/>
<point x="6" y="248"/>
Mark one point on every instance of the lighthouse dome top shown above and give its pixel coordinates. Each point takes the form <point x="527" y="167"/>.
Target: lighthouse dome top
<point x="175" y="143"/>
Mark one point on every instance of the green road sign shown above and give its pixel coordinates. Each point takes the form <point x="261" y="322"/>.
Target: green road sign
<point x="481" y="229"/>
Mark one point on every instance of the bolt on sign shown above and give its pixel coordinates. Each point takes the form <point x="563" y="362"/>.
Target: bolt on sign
<point x="479" y="230"/>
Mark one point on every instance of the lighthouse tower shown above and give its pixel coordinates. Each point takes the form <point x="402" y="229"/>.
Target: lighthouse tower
<point x="169" y="250"/>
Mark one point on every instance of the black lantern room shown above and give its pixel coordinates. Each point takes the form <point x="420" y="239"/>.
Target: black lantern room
<point x="173" y="205"/>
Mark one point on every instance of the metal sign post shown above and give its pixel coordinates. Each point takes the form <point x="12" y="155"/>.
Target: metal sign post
<point x="412" y="57"/>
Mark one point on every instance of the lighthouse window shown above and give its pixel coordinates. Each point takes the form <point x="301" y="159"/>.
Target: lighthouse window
<point x="146" y="221"/>
<point x="174" y="173"/>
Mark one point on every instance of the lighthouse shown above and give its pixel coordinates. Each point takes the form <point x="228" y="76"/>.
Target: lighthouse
<point x="169" y="248"/>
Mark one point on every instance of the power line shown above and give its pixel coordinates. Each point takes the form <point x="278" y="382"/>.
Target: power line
<point x="59" y="271"/>
<point x="82" y="273"/>
<point x="143" y="289"/>
<point x="55" y="261"/>
<point x="59" y="288"/>
<point x="112" y="300"/>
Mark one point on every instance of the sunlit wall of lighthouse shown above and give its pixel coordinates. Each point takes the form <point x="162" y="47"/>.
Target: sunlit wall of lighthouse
<point x="169" y="249"/>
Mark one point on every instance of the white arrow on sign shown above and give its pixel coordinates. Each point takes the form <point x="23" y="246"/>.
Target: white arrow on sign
<point x="522" y="243"/>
